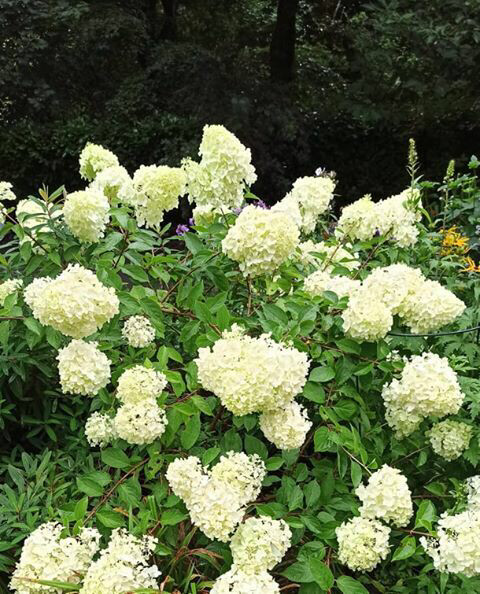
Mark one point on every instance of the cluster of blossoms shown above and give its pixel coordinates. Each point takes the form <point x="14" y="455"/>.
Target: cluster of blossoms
<point x="216" y="498"/>
<point x="75" y="302"/>
<point x="331" y="256"/>
<point x="450" y="438"/>
<point x="238" y="369"/>
<point x="421" y="304"/>
<point x="139" y="420"/>
<point x="257" y="546"/>
<point x="395" y="217"/>
<point x="8" y="287"/>
<point x="157" y="190"/>
<point x="116" y="184"/>
<point x="320" y="281"/>
<point x="94" y="159"/>
<point x="6" y="193"/>
<point x="48" y="556"/>
<point x="138" y="331"/>
<point x="261" y="240"/>
<point x="123" y="566"/>
<point x="83" y="368"/>
<point x="216" y="184"/>
<point x="309" y="198"/>
<point x="473" y="492"/>
<point x="363" y="541"/>
<point x="428" y="386"/>
<point x="33" y="218"/>
<point x="86" y="214"/>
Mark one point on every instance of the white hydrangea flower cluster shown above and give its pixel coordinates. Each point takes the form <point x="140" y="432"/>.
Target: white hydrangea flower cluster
<point x="6" y="193"/>
<point x="83" y="368"/>
<point x="123" y="566"/>
<point x="331" y="255"/>
<point x="239" y="370"/>
<point x="157" y="190"/>
<point x="138" y="331"/>
<point x="33" y="291"/>
<point x="100" y="429"/>
<point x="94" y="159"/>
<point x="473" y="492"/>
<point x="386" y="497"/>
<point x="456" y="549"/>
<point x="320" y="281"/>
<point x="140" y="423"/>
<point x="217" y="183"/>
<point x="286" y="427"/>
<point x="396" y="216"/>
<point x="216" y="499"/>
<point x="362" y="543"/>
<point x="75" y="302"/>
<point x="116" y="184"/>
<point x="260" y="240"/>
<point x="236" y="581"/>
<point x="139" y="384"/>
<point x="309" y="198"/>
<point x="8" y="287"/>
<point x="428" y="386"/>
<point x="86" y="214"/>
<point x="366" y="318"/>
<point x="49" y="557"/>
<point x="450" y="438"/>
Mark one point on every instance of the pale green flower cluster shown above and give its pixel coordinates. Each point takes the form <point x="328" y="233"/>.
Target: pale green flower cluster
<point x="286" y="427"/>
<point x="116" y="184"/>
<point x="428" y="387"/>
<point x="450" y="438"/>
<point x="94" y="159"/>
<point x="261" y="241"/>
<point x="320" y="281"/>
<point x="362" y="543"/>
<point x="86" y="214"/>
<point x="138" y="331"/>
<point x="8" y="287"/>
<point x="100" y="429"/>
<point x="140" y="383"/>
<point x="235" y="581"/>
<point x="75" y="302"/>
<point x="140" y="423"/>
<point x="83" y="368"/>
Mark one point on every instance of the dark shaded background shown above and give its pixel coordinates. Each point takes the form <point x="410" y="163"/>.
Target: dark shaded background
<point x="338" y="84"/>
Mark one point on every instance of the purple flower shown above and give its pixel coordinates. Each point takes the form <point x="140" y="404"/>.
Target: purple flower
<point x="182" y="229"/>
<point x="191" y="221"/>
<point x="261" y="204"/>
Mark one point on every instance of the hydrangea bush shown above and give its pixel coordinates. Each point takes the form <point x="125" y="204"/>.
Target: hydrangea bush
<point x="269" y="400"/>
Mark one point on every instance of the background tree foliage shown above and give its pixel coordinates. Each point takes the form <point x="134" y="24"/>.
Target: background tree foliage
<point x="143" y="77"/>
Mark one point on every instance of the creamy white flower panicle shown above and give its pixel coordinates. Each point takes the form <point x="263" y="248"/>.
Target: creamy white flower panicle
<point x="86" y="214"/>
<point x="34" y="290"/>
<point x="140" y="383"/>
<point x="123" y="566"/>
<point x="138" y="331"/>
<point x="260" y="240"/>
<point x="49" y="557"/>
<point x="358" y="220"/>
<point x="313" y="196"/>
<point x="141" y="422"/>
<point x="366" y="318"/>
<point x="94" y="159"/>
<point x="289" y="207"/>
<point x="205" y="214"/>
<point x="116" y="184"/>
<point x="83" y="368"/>
<point x="473" y="492"/>
<point x="319" y="281"/>
<point x="428" y="386"/>
<point x="99" y="429"/>
<point x="386" y="497"/>
<point x="6" y="193"/>
<point x="75" y="302"/>
<point x="158" y="189"/>
<point x="362" y="543"/>
<point x="8" y="287"/>
<point x="456" y="549"/>
<point x="259" y="544"/>
<point x="450" y="438"/>
<point x="251" y="374"/>
<point x="244" y="473"/>
<point x="286" y="427"/>
<point x="330" y="256"/>
<point x="183" y="474"/>
<point x="225" y="169"/>
<point x="236" y="581"/>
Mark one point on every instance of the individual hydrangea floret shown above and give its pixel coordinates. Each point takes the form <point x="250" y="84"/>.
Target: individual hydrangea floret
<point x="140" y="423"/>
<point x="94" y="159"/>
<point x="456" y="549"/>
<point x="75" y="302"/>
<point x="259" y="544"/>
<point x="138" y="331"/>
<point x="99" y="429"/>
<point x="158" y="189"/>
<point x="240" y="371"/>
<point x="49" y="556"/>
<point x="8" y="287"/>
<point x="236" y="581"/>
<point x="140" y="383"/>
<point x="83" y="368"/>
<point x="286" y="427"/>
<point x="450" y="438"/>
<point x="86" y="214"/>
<point x="386" y="497"/>
<point x="260" y="241"/>
<point x="320" y="281"/>
<point x="123" y="566"/>
<point x="362" y="543"/>
<point x="116" y="184"/>
<point x="428" y="387"/>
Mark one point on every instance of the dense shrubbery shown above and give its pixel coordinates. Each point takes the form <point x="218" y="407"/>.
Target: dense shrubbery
<point x="244" y="398"/>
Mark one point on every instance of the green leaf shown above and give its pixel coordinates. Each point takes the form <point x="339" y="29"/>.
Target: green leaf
<point x="349" y="585"/>
<point x="321" y="440"/>
<point x="115" y="458"/>
<point x="255" y="446"/>
<point x="321" y="573"/>
<point x="109" y="518"/>
<point x="81" y="509"/>
<point x="356" y="473"/>
<point x="33" y="325"/>
<point x="321" y="374"/>
<point x="299" y="572"/>
<point x="89" y="487"/>
<point x="130" y="492"/>
<point x="406" y="549"/>
<point x="190" y="434"/>
<point x="202" y="404"/>
<point x="171" y="517"/>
